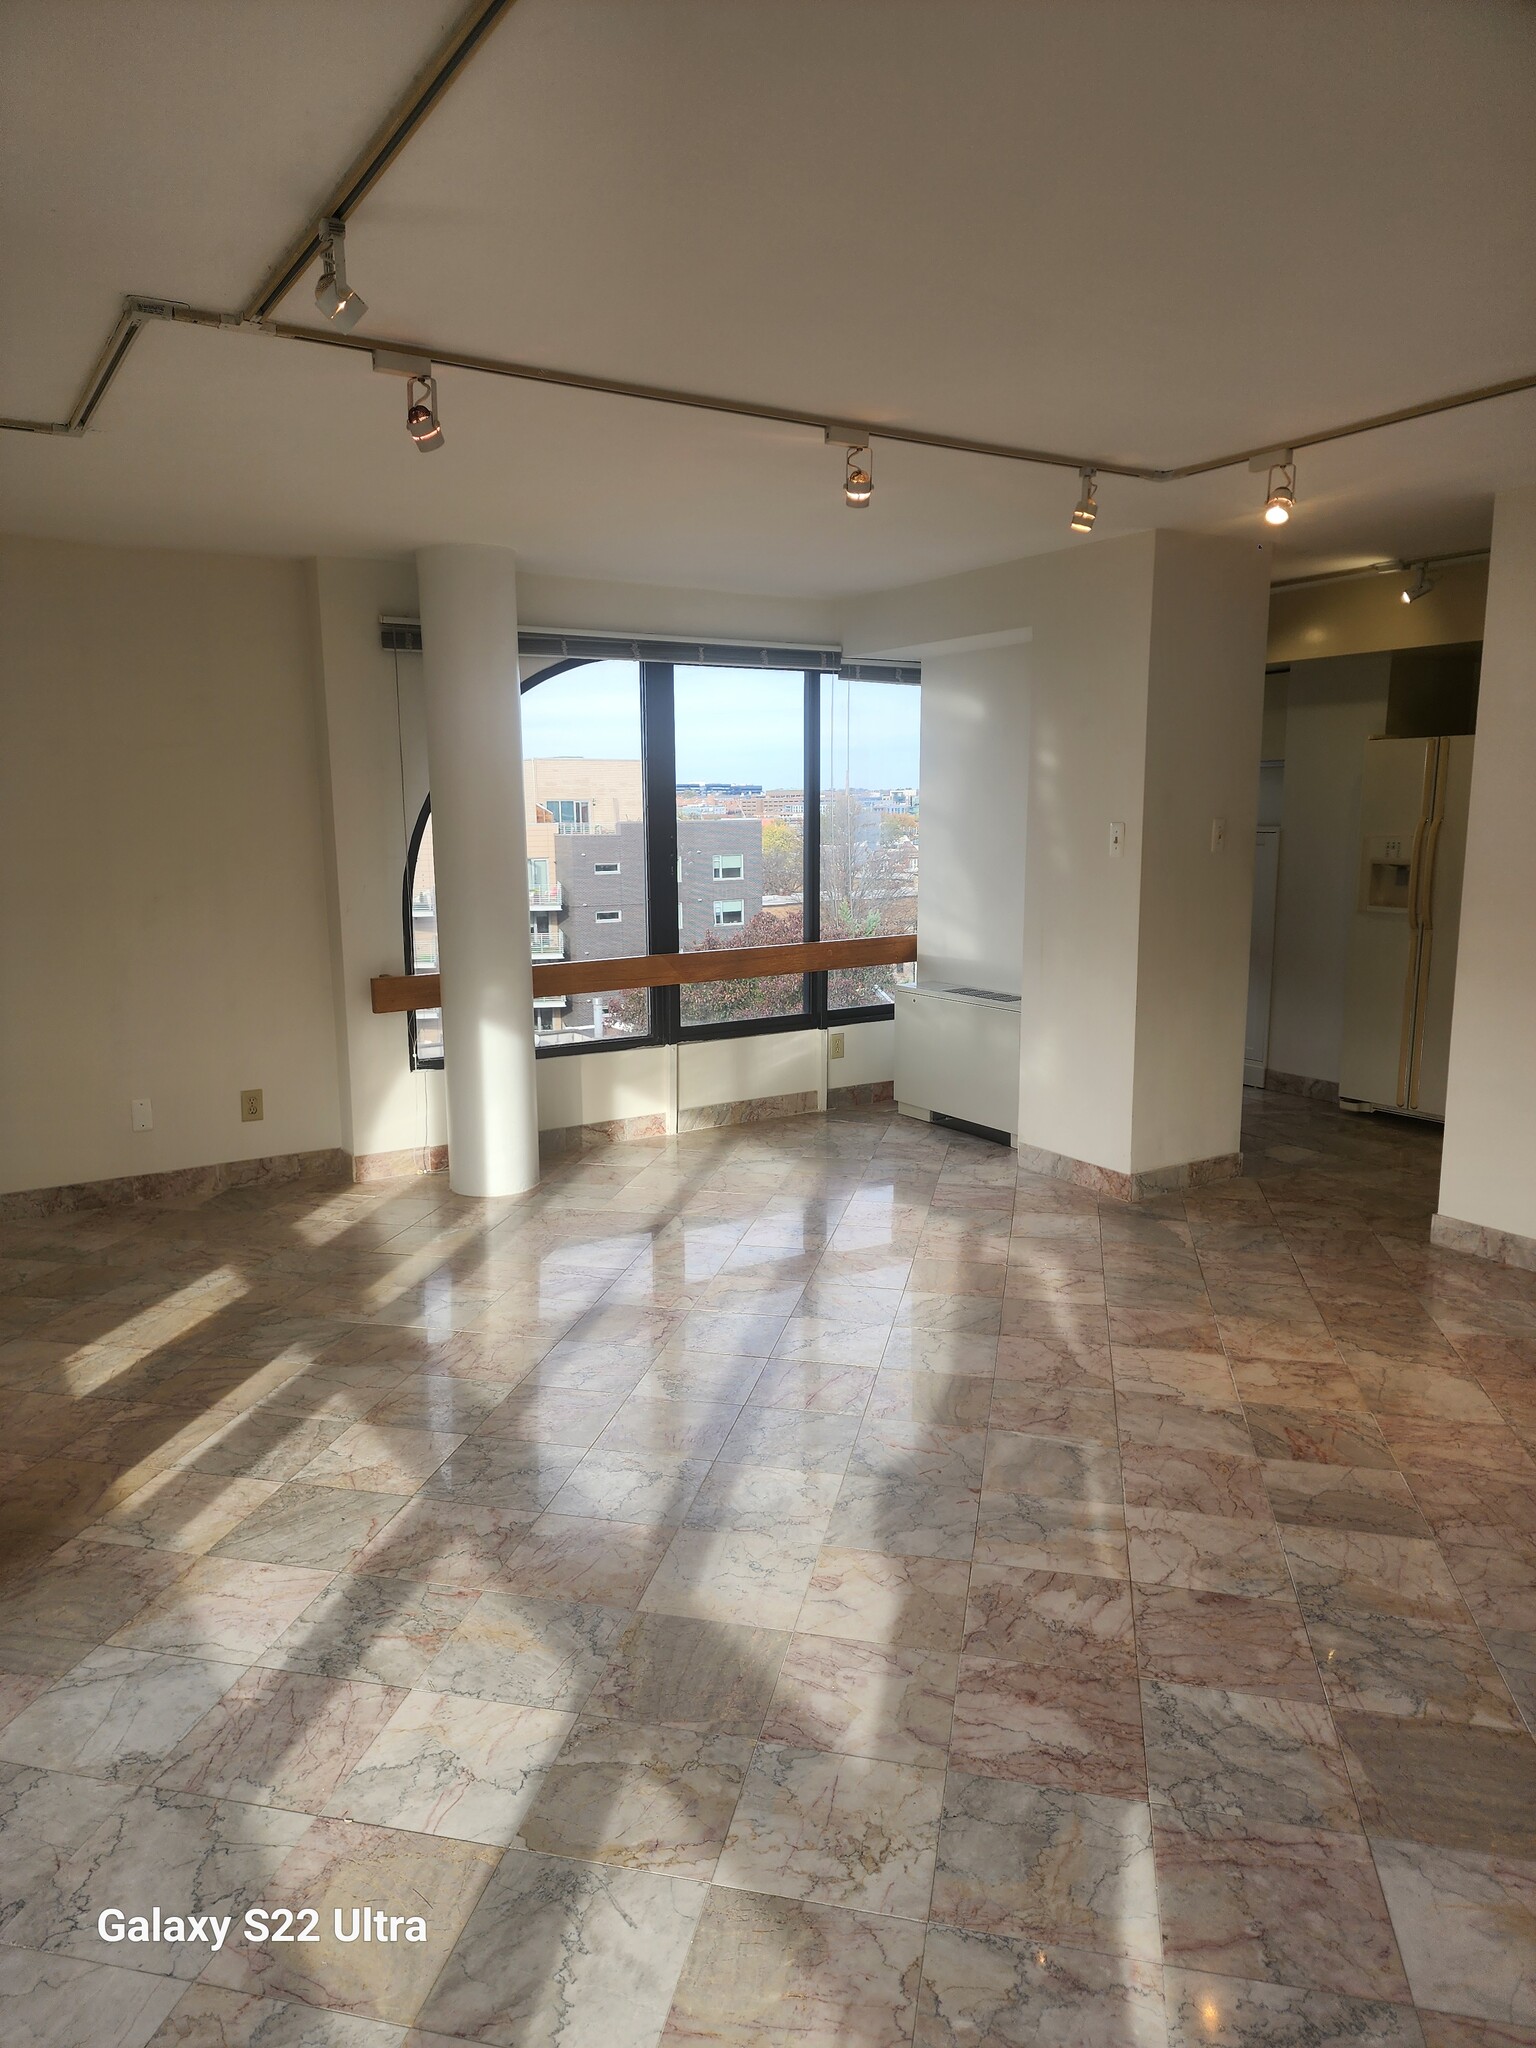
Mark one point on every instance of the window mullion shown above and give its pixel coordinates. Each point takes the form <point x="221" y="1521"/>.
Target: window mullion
<point x="815" y="984"/>
<point x="659" y="754"/>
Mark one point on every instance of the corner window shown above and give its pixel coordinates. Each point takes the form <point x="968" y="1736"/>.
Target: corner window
<point x="651" y="786"/>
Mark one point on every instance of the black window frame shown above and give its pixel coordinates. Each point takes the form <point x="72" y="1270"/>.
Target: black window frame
<point x="658" y="772"/>
<point x="407" y="891"/>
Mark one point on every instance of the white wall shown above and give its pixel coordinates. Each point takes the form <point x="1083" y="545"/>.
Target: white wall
<point x="1205" y="702"/>
<point x="1062" y="760"/>
<point x="1488" y="1170"/>
<point x="595" y="1088"/>
<point x="975" y="744"/>
<point x="553" y="603"/>
<point x="739" y="1069"/>
<point x="1054" y="741"/>
<point x="1332" y="708"/>
<point x="603" y="1087"/>
<point x="165" y="928"/>
<point x="869" y="1054"/>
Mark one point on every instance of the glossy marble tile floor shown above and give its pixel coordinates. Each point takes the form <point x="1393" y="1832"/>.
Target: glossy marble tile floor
<point x="804" y="1584"/>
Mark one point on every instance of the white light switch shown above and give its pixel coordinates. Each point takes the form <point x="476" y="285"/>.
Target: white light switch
<point x="1116" y="836"/>
<point x="1218" y="834"/>
<point x="140" y="1111"/>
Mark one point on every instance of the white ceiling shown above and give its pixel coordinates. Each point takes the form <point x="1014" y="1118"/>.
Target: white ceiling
<point x="1147" y="232"/>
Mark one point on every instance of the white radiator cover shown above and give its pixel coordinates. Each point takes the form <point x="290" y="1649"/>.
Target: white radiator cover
<point x="957" y="1054"/>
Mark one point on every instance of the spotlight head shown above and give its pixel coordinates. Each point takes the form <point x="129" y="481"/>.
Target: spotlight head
<point x="858" y="482"/>
<point x="1422" y="584"/>
<point x="421" y="420"/>
<point x="1281" y="501"/>
<point x="342" y="306"/>
<point x="1086" y="510"/>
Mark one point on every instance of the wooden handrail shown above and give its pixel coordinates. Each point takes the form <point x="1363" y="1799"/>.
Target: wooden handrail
<point x="396" y="992"/>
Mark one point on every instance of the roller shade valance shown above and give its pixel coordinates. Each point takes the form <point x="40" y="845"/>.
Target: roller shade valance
<point x="539" y="650"/>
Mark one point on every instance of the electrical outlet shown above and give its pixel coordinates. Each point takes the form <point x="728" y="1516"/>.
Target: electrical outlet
<point x="140" y="1114"/>
<point x="1116" y="837"/>
<point x="835" y="1045"/>
<point x="1218" y="834"/>
<point x="251" y="1111"/>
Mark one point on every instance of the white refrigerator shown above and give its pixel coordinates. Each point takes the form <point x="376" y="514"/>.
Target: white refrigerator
<point x="1402" y="951"/>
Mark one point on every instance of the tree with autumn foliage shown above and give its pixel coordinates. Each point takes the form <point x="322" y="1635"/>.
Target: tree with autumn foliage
<point x="783" y="857"/>
<point x="868" y="889"/>
<point x="732" y="1002"/>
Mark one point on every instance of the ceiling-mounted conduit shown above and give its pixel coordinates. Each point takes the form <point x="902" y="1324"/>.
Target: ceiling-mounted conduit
<point x="139" y="311"/>
<point x="463" y="40"/>
<point x="382" y="147"/>
<point x="1380" y="569"/>
<point x="467" y="37"/>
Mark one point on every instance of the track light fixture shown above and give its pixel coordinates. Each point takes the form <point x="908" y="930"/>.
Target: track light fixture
<point x="1281" y="502"/>
<point x="342" y="306"/>
<point x="1422" y="584"/>
<point x="1086" y="510"/>
<point x="421" y="420"/>
<point x="858" y="479"/>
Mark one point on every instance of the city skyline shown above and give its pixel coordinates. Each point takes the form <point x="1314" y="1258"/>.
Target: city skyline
<point x="733" y="725"/>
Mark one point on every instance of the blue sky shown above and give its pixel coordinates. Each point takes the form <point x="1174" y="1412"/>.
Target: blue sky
<point x="733" y="725"/>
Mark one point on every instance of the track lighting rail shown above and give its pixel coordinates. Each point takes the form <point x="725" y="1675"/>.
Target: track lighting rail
<point x="139" y="311"/>
<point x="381" y="149"/>
<point x="445" y="64"/>
<point x="1392" y="568"/>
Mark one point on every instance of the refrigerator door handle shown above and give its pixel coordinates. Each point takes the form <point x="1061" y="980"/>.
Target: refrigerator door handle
<point x="1415" y="875"/>
<point x="1426" y="909"/>
<point x="1421" y="991"/>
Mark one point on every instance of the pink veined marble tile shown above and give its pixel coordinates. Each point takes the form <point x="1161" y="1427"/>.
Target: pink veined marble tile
<point x="1307" y="1910"/>
<point x="864" y="1699"/>
<point x="1012" y="1721"/>
<point x="1206" y="1553"/>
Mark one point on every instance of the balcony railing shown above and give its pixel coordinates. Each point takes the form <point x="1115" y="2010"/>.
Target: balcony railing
<point x="547" y="945"/>
<point x="552" y="898"/>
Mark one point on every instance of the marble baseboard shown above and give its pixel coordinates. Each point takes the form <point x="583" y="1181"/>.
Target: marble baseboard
<point x="1300" y="1084"/>
<point x="619" y="1130"/>
<point x="1480" y="1241"/>
<point x="180" y="1184"/>
<point x="1130" y="1187"/>
<point x="368" y="1166"/>
<point x="760" y="1109"/>
<point x="862" y="1095"/>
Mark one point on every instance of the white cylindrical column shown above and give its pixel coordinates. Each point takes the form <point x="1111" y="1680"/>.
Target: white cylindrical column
<point x="475" y="763"/>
